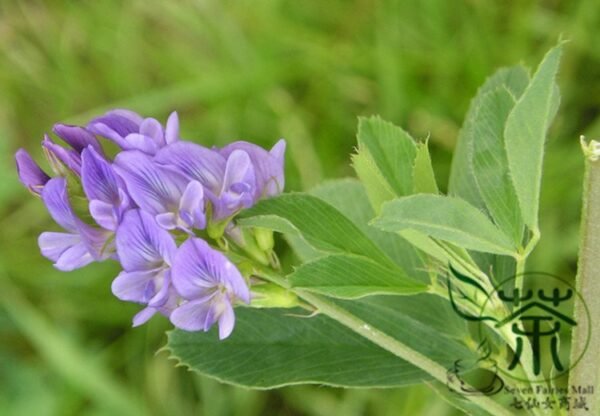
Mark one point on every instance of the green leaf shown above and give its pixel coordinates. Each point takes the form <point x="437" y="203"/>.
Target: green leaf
<point x="423" y="175"/>
<point x="350" y="277"/>
<point x="424" y="243"/>
<point x="378" y="189"/>
<point x="490" y="164"/>
<point x="318" y="223"/>
<point x="424" y="322"/>
<point x="350" y="198"/>
<point x="271" y="348"/>
<point x="463" y="181"/>
<point x="391" y="149"/>
<point x="462" y="177"/>
<point x="445" y="218"/>
<point x="525" y="135"/>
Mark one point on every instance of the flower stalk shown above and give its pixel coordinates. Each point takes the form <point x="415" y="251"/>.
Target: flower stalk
<point x="379" y="338"/>
<point x="587" y="371"/>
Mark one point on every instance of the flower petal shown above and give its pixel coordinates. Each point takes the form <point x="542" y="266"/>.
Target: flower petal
<point x="226" y="321"/>
<point x="137" y="141"/>
<point x="56" y="199"/>
<point x="197" y="315"/>
<point x="154" y="189"/>
<point x="238" y="170"/>
<point x="198" y="268"/>
<point x="268" y="166"/>
<point x="98" y="242"/>
<point x="104" y="214"/>
<point x="172" y="130"/>
<point x="191" y="205"/>
<point x="162" y="289"/>
<point x="168" y="220"/>
<point x="278" y="150"/>
<point x="275" y="180"/>
<point x="98" y="178"/>
<point x="74" y="257"/>
<point x="150" y="127"/>
<point x="165" y="309"/>
<point x="77" y="137"/>
<point x="52" y="245"/>
<point x="132" y="116"/>
<point x="238" y="186"/>
<point x="142" y="244"/>
<point x="58" y="156"/>
<point x="30" y="174"/>
<point x="116" y="124"/>
<point x="133" y="286"/>
<point x="195" y="162"/>
<point x="100" y="181"/>
<point x="143" y="316"/>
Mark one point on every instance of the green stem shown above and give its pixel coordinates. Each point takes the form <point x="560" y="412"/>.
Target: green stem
<point x="587" y="371"/>
<point x="381" y="339"/>
<point x="525" y="366"/>
<point x="519" y="270"/>
<point x="521" y="259"/>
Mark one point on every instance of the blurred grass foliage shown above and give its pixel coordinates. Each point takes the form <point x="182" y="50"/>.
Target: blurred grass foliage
<point x="253" y="70"/>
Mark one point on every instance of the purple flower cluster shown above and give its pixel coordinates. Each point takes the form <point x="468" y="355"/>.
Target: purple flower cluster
<point x="148" y="207"/>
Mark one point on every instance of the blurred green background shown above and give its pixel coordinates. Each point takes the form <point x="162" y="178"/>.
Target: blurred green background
<point x="253" y="70"/>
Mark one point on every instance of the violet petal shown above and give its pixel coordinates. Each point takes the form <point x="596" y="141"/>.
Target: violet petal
<point x="154" y="189"/>
<point x="195" y="162"/>
<point x="172" y="130"/>
<point x="59" y="156"/>
<point x="151" y="127"/>
<point x="144" y="316"/>
<point x="98" y="178"/>
<point x="30" y="174"/>
<point x="193" y="316"/>
<point x="53" y="244"/>
<point x="56" y="199"/>
<point x="226" y="321"/>
<point x="142" y="244"/>
<point x="268" y="166"/>
<point x="191" y="205"/>
<point x="74" y="257"/>
<point x="104" y="214"/>
<point x="77" y="137"/>
<point x="133" y="286"/>
<point x="117" y="123"/>
<point x="197" y="268"/>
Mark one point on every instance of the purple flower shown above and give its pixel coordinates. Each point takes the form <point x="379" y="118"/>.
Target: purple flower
<point x="156" y="184"/>
<point x="30" y="174"/>
<point x="59" y="157"/>
<point x="210" y="283"/>
<point x="268" y="166"/>
<point x="229" y="181"/>
<point x="105" y="191"/>
<point x="77" y="137"/>
<point x="174" y="200"/>
<point x="130" y="131"/>
<point x="146" y="252"/>
<point x="81" y="244"/>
